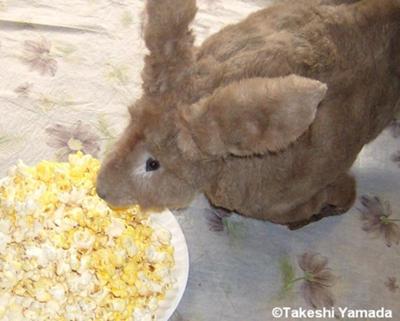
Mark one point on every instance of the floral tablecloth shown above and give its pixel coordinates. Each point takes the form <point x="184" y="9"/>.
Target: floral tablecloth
<point x="68" y="70"/>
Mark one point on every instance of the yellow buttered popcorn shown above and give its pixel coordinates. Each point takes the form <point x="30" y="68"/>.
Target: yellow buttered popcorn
<point x="65" y="255"/>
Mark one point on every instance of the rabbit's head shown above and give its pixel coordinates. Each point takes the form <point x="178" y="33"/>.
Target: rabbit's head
<point x="145" y="166"/>
<point x="176" y="144"/>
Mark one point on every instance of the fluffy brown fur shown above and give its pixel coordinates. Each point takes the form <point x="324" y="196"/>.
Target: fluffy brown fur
<point x="267" y="116"/>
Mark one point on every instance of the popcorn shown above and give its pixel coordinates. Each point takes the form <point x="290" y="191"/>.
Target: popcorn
<point x="162" y="235"/>
<point x="154" y="256"/>
<point x="4" y="240"/>
<point x="58" y="292"/>
<point x="116" y="228"/>
<point x="83" y="239"/>
<point x="65" y="255"/>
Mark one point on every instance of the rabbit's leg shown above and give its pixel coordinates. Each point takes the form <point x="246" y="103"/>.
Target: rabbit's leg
<point x="340" y="197"/>
<point x="302" y="214"/>
<point x="220" y="212"/>
<point x="338" y="2"/>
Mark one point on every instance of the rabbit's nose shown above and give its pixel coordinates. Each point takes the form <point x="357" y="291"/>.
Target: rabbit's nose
<point x="101" y="193"/>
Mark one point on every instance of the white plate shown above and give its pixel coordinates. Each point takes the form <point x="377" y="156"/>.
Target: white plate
<point x="181" y="270"/>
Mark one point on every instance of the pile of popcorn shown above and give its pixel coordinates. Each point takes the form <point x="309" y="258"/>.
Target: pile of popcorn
<point x="65" y="255"/>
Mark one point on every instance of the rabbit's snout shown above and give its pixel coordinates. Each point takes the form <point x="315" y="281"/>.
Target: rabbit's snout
<point x="113" y="188"/>
<point x="102" y="194"/>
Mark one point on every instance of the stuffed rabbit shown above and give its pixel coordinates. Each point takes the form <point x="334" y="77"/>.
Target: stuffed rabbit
<point x="266" y="117"/>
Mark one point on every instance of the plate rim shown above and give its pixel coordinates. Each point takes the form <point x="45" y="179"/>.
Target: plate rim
<point x="177" y="234"/>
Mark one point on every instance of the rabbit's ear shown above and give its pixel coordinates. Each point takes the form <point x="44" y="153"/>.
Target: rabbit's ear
<point x="252" y="116"/>
<point x="170" y="42"/>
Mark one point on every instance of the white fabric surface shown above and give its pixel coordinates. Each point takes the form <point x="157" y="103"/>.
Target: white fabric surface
<point x="68" y="71"/>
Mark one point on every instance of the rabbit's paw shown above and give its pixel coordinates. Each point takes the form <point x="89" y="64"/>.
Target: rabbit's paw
<point x="326" y="211"/>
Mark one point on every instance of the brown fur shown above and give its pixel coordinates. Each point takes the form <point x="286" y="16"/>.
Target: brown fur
<point x="267" y="116"/>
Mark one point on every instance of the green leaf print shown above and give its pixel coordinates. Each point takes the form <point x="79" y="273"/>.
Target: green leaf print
<point x="66" y="51"/>
<point x="47" y="103"/>
<point x="107" y="134"/>
<point x="3" y="5"/>
<point x="287" y="276"/>
<point x="118" y="74"/>
<point x="236" y="230"/>
<point x="126" y="19"/>
<point x="8" y="141"/>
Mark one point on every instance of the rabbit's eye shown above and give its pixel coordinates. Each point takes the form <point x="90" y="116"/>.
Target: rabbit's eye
<point x="152" y="165"/>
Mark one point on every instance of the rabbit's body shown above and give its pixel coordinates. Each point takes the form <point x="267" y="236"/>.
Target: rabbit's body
<point x="354" y="52"/>
<point x="267" y="116"/>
